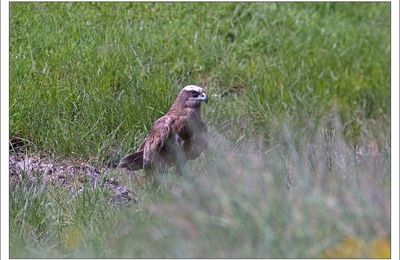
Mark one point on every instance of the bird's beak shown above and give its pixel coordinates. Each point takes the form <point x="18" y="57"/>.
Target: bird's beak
<point x="204" y="98"/>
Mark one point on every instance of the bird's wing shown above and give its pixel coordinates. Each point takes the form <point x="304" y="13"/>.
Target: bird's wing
<point x="156" y="139"/>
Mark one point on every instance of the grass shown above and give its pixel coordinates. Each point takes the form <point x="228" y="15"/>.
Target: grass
<point x="296" y="92"/>
<point x="245" y="202"/>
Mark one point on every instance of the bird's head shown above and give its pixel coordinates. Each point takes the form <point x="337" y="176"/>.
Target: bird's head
<point x="193" y="95"/>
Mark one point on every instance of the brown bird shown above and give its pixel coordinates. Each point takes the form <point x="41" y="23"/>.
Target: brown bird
<point x="176" y="137"/>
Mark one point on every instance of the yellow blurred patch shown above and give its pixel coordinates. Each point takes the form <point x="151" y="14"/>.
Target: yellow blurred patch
<point x="72" y="238"/>
<point x="379" y="248"/>
<point x="347" y="248"/>
<point x="352" y="247"/>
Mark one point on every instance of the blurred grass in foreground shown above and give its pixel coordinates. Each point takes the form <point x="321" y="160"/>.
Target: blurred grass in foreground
<point x="325" y="198"/>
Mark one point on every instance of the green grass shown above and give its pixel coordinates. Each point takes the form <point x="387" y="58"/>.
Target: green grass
<point x="87" y="80"/>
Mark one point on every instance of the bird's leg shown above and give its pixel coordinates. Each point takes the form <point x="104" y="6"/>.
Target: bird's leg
<point x="180" y="157"/>
<point x="149" y="175"/>
<point x="180" y="169"/>
<point x="180" y="162"/>
<point x="152" y="173"/>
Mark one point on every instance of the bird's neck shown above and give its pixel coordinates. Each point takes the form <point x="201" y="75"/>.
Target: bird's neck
<point x="179" y="109"/>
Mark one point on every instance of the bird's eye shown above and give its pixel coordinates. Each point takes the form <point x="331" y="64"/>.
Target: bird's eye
<point x="195" y="94"/>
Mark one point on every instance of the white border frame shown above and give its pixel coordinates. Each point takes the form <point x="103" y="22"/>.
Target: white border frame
<point x="394" y="123"/>
<point x="395" y="130"/>
<point x="4" y="129"/>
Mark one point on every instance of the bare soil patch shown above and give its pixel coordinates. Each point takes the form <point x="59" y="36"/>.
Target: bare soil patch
<point x="71" y="175"/>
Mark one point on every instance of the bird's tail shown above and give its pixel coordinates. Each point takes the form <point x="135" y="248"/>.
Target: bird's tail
<point x="132" y="161"/>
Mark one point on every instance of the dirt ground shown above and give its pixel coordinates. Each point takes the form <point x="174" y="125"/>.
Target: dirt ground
<point x="72" y="175"/>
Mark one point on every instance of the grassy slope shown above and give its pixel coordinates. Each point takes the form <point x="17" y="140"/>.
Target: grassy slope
<point x="87" y="80"/>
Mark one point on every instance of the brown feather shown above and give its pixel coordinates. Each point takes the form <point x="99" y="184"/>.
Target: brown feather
<point x="176" y="137"/>
<point x="157" y="138"/>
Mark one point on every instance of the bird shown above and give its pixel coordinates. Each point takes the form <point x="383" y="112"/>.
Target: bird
<point x="178" y="136"/>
